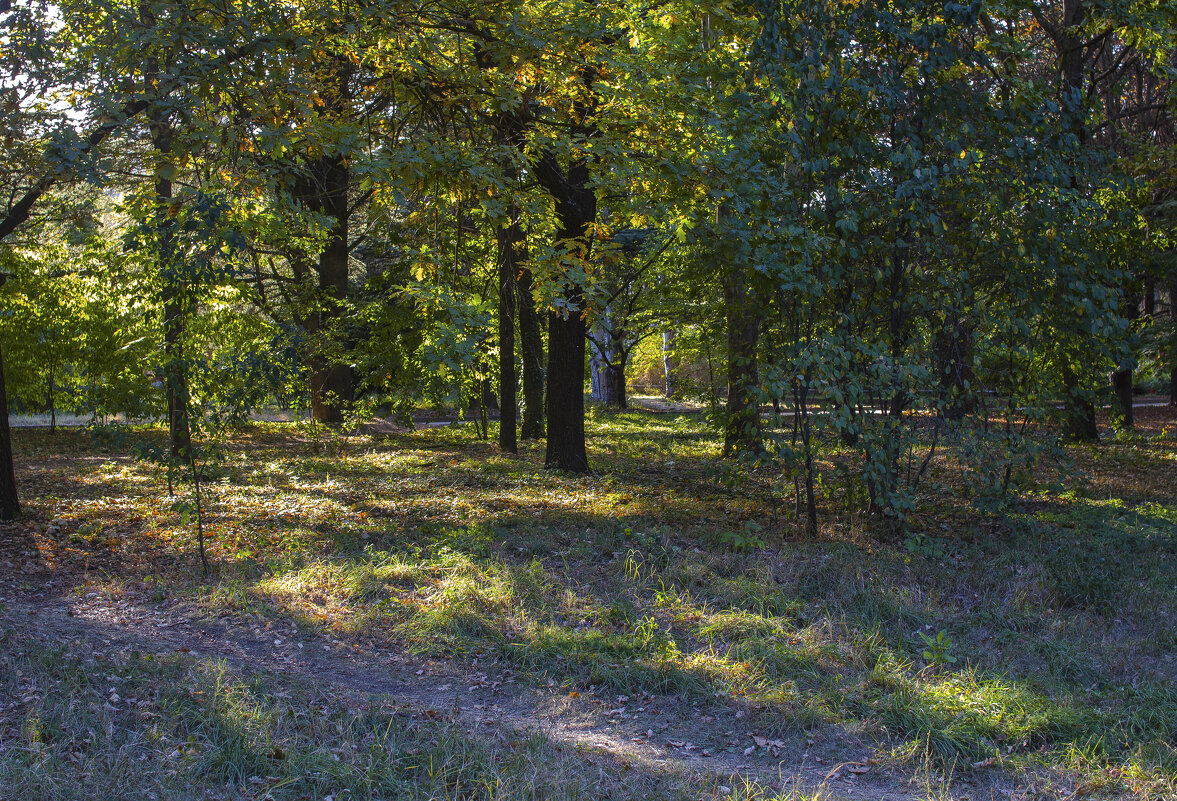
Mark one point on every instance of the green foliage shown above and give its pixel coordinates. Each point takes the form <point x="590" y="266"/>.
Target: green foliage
<point x="748" y="539"/>
<point x="938" y="650"/>
<point x="923" y="545"/>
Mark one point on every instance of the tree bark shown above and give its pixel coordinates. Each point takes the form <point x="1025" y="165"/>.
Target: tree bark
<point x="1079" y="413"/>
<point x="565" y="396"/>
<point x="508" y="240"/>
<point x="1122" y="379"/>
<point x="742" y="428"/>
<point x="9" y="498"/>
<point x="331" y="384"/>
<point x="51" y="399"/>
<point x="668" y="366"/>
<point x="576" y="209"/>
<point x="596" y="367"/>
<point x="531" y="347"/>
<point x="1173" y="344"/>
<point x="175" y="369"/>
<point x="613" y="385"/>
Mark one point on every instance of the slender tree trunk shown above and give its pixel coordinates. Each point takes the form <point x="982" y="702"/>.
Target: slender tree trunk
<point x="668" y="366"/>
<point x="596" y="367"/>
<point x="742" y="430"/>
<point x="801" y="408"/>
<point x="175" y="368"/>
<point x="331" y="384"/>
<point x="1122" y="379"/>
<point x="531" y="347"/>
<point x="1173" y="344"/>
<point x="955" y="346"/>
<point x="1079" y="412"/>
<point x="508" y="237"/>
<point x="51" y="399"/>
<point x="9" y="499"/>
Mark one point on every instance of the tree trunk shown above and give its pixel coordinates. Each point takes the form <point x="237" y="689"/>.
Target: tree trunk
<point x="51" y="400"/>
<point x="1173" y="343"/>
<point x="596" y="367"/>
<point x="1122" y="385"/>
<point x="175" y="370"/>
<point x="508" y="239"/>
<point x="576" y="208"/>
<point x="9" y="500"/>
<point x="613" y="385"/>
<point x="742" y="429"/>
<point x="565" y="397"/>
<point x="668" y="365"/>
<point x="531" y="347"/>
<point x="1078" y="412"/>
<point x="331" y="384"/>
<point x="955" y="345"/>
<point x="1122" y="382"/>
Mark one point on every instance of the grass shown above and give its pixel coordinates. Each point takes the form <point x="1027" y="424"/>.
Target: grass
<point x="122" y="725"/>
<point x="656" y="575"/>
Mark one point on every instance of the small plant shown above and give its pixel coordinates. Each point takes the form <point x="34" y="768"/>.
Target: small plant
<point x="938" y="649"/>
<point x="923" y="545"/>
<point x="110" y="436"/>
<point x="747" y="540"/>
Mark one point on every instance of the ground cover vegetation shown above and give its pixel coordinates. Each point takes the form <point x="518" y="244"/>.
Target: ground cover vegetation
<point x="901" y="275"/>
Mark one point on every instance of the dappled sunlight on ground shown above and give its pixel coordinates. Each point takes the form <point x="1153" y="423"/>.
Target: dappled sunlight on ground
<point x="1037" y="638"/>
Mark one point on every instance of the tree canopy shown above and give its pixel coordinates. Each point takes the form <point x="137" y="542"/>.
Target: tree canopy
<point x="901" y="225"/>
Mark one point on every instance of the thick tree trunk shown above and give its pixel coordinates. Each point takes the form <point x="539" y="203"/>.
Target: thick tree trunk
<point x="576" y="209"/>
<point x="742" y="429"/>
<point x="565" y="396"/>
<point x="607" y="358"/>
<point x="9" y="499"/>
<point x="613" y="385"/>
<point x="669" y="368"/>
<point x="508" y="238"/>
<point x="331" y="384"/>
<point x="531" y="347"/>
<point x="1122" y="385"/>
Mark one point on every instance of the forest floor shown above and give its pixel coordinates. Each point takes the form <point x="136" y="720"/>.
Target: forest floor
<point x="414" y="615"/>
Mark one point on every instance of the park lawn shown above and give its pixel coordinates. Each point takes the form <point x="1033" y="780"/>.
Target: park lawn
<point x="1036" y="640"/>
<point x="112" y="723"/>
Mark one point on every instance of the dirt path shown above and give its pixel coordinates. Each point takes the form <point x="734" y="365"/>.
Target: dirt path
<point x="658" y="733"/>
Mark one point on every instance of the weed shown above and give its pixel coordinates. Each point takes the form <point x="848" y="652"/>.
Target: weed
<point x="938" y="650"/>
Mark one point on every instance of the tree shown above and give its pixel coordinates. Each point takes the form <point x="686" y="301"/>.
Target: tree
<point x="624" y="300"/>
<point x="9" y="499"/>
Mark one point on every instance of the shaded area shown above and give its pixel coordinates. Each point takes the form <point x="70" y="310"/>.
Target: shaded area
<point x="1040" y="634"/>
